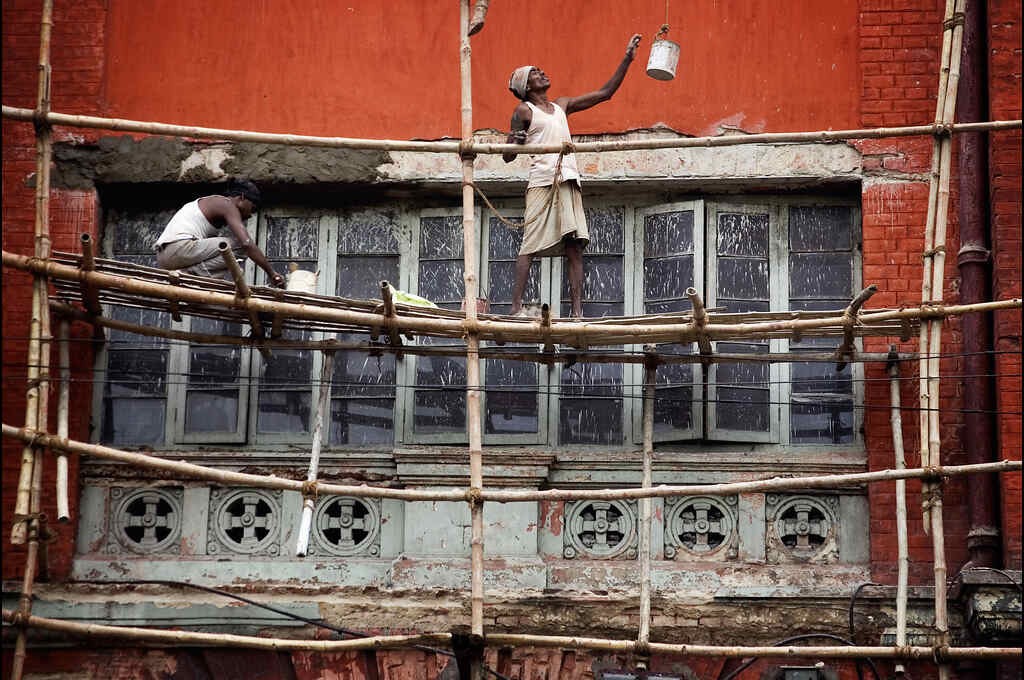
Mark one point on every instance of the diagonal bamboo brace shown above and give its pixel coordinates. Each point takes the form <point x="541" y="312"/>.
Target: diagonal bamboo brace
<point x="845" y="351"/>
<point x="243" y="292"/>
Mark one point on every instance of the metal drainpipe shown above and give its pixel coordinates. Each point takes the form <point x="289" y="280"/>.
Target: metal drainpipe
<point x="975" y="264"/>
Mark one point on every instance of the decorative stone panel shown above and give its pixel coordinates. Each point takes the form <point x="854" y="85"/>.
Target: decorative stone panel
<point x="600" y="530"/>
<point x="245" y="521"/>
<point x="146" y="520"/>
<point x="701" y="528"/>
<point x="802" y="528"/>
<point x="346" y="526"/>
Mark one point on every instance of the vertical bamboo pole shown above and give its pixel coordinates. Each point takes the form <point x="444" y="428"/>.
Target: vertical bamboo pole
<point x="327" y="374"/>
<point x="929" y="253"/>
<point x="650" y="372"/>
<point x="935" y="332"/>
<point x="896" y="421"/>
<point x="39" y="290"/>
<point x="36" y="406"/>
<point x="476" y="477"/>
<point x="63" y="404"/>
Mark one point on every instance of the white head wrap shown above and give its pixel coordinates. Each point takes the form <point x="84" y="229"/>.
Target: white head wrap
<point x="517" y="83"/>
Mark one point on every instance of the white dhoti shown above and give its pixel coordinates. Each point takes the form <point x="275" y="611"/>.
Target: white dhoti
<point x="550" y="219"/>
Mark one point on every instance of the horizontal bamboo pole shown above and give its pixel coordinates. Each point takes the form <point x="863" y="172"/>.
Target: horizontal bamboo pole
<point x="565" y="356"/>
<point x="175" y="638"/>
<point x="566" y="642"/>
<point x="196" y="132"/>
<point x="567" y="332"/>
<point x="227" y="477"/>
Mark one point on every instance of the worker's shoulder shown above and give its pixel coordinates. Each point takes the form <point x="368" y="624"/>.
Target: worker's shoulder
<point x="523" y="111"/>
<point x="214" y="202"/>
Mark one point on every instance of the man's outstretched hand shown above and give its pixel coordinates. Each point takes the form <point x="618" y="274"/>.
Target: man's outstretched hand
<point x="634" y="42"/>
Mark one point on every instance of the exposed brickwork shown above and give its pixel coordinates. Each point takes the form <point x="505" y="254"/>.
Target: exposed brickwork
<point x="77" y="56"/>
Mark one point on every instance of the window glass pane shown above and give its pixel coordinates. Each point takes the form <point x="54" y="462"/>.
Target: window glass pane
<point x="143" y="317"/>
<point x="440" y="395"/>
<point x="590" y="404"/>
<point x="441" y="282"/>
<point x="743" y="235"/>
<point x="819" y="228"/>
<point x="133" y="421"/>
<point x="669" y="233"/>
<point x="359" y="277"/>
<point x="742" y="391"/>
<point x="742" y="409"/>
<point x="136" y="373"/>
<point x="292" y="238"/>
<point x="370" y="231"/>
<point x="673" y="404"/>
<point x="821" y="405"/>
<point x="817" y="275"/>
<point x="441" y="237"/>
<point x="211" y="411"/>
<point x="821" y="421"/>
<point x="743" y="278"/>
<point x="134" y="232"/>
<point x="607" y="229"/>
<point x="285" y="394"/>
<point x="362" y="422"/>
<point x="362" y="397"/>
<point x="667" y="278"/>
<point x="514" y="409"/>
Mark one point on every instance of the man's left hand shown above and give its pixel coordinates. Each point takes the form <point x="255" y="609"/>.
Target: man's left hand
<point x="634" y="42"/>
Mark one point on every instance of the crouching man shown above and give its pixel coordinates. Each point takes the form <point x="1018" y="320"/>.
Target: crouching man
<point x="191" y="240"/>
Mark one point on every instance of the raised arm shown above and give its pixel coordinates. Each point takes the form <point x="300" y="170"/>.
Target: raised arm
<point x="585" y="101"/>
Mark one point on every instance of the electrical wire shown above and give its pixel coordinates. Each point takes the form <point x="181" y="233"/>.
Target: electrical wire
<point x="282" y="612"/>
<point x="828" y="636"/>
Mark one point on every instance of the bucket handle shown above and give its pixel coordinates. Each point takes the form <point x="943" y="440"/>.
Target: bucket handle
<point x="663" y="33"/>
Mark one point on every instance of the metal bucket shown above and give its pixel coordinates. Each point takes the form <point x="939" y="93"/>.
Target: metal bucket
<point x="302" y="281"/>
<point x="663" y="60"/>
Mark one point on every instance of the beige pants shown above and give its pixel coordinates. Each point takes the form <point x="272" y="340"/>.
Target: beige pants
<point x="549" y="219"/>
<point x="199" y="256"/>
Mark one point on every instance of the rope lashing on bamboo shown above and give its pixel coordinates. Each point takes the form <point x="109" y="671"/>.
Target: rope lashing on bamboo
<point x="311" y="489"/>
<point x="474" y="496"/>
<point x="932" y="252"/>
<point x="956" y="20"/>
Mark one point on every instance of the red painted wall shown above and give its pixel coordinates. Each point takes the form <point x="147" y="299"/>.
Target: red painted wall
<point x="357" y="69"/>
<point x="366" y="69"/>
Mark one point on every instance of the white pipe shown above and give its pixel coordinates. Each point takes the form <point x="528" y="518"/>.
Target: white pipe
<point x="302" y="543"/>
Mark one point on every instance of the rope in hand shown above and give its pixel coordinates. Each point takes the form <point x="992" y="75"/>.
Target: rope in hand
<point x="549" y="202"/>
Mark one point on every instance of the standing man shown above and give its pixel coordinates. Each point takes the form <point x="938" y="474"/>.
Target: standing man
<point x="554" y="223"/>
<point x="191" y="240"/>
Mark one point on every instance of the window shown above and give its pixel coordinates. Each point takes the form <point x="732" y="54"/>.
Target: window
<point x="744" y="255"/>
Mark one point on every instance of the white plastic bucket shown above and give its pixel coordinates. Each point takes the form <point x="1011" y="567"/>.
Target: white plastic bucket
<point x="302" y="281"/>
<point x="663" y="60"/>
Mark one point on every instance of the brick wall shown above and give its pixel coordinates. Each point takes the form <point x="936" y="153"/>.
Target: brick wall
<point x="77" y="58"/>
<point x="1004" y="35"/>
<point x="900" y="41"/>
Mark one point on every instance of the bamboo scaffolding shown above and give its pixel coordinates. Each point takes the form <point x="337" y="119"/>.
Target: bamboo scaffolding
<point x="221" y="134"/>
<point x="228" y="478"/>
<point x="243" y="292"/>
<point x="563" y="332"/>
<point x="846" y="349"/>
<point x="700" y="319"/>
<point x="30" y="478"/>
<point x="900" y="463"/>
<point x="176" y="638"/>
<point x="518" y="354"/>
<point x="309" y="499"/>
<point x="953" y="29"/>
<point x="63" y="407"/>
<point x="473" y="383"/>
